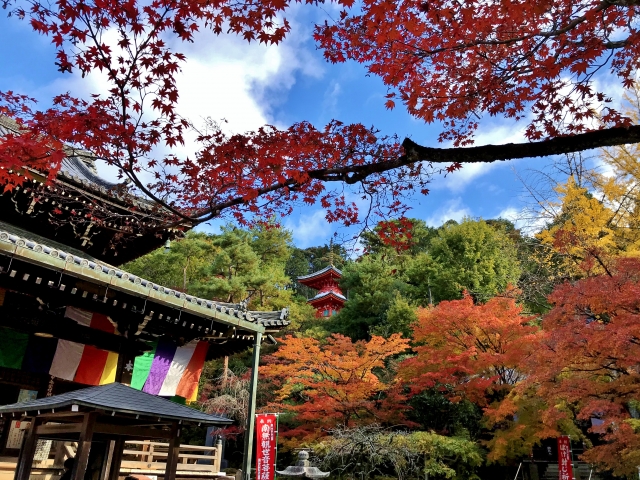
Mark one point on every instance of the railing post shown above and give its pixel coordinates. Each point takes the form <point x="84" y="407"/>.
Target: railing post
<point x="249" y="430"/>
<point x="217" y="460"/>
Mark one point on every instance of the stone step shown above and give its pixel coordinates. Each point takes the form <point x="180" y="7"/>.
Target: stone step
<point x="581" y="471"/>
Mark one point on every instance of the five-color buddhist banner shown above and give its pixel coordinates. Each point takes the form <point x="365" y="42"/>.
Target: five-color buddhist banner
<point x="169" y="370"/>
<point x="166" y="370"/>
<point x="61" y="358"/>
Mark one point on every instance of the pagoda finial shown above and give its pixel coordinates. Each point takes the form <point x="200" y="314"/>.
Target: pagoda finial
<point x="331" y="252"/>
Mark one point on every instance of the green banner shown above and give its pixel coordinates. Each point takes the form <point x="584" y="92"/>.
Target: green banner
<point x="142" y="367"/>
<point x="13" y="345"/>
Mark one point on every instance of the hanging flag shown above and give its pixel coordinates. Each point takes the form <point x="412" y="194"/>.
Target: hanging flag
<point x="177" y="368"/>
<point x="61" y="358"/>
<point x="94" y="359"/>
<point x="165" y="352"/>
<point x="188" y="386"/>
<point x="565" y="469"/>
<point x="142" y="367"/>
<point x="169" y="370"/>
<point x="266" y="446"/>
<point x="13" y="345"/>
<point x="109" y="372"/>
<point x="39" y="355"/>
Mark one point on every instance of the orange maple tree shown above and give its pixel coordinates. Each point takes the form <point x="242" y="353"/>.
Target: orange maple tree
<point x="470" y="351"/>
<point x="332" y="384"/>
<point x="446" y="61"/>
<point x="585" y="373"/>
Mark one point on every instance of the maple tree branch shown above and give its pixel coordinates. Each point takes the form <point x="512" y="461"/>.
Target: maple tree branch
<point x="415" y="153"/>
<point x="549" y="34"/>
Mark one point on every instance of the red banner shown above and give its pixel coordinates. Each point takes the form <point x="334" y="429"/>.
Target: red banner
<point x="265" y="446"/>
<point x="565" y="469"/>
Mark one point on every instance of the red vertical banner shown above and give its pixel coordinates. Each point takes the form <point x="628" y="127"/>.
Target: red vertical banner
<point x="265" y="446"/>
<point x="565" y="469"/>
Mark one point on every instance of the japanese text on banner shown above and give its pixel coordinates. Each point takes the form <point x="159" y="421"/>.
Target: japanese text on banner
<point x="565" y="469"/>
<point x="265" y="446"/>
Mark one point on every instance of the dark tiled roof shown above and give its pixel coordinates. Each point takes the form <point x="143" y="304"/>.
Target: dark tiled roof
<point x="83" y="171"/>
<point x="320" y="272"/>
<point x="324" y="294"/>
<point x="115" y="397"/>
<point x="79" y="168"/>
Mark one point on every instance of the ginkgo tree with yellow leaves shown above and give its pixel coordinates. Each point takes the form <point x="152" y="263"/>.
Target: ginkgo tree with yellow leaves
<point x="599" y="220"/>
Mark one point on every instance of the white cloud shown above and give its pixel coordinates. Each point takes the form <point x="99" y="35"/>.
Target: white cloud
<point x="309" y="228"/>
<point x="458" y="181"/>
<point x="525" y="219"/>
<point x="330" y="100"/>
<point x="224" y="77"/>
<point x="453" y="209"/>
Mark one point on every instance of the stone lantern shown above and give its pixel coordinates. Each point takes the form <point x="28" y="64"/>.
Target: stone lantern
<point x="302" y="469"/>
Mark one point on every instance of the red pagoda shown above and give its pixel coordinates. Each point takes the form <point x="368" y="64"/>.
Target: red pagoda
<point x="329" y="299"/>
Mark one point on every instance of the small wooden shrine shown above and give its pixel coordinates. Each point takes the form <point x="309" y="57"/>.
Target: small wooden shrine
<point x="329" y="300"/>
<point x="100" y="420"/>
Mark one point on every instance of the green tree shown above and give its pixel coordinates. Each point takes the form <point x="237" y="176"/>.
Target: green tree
<point x="373" y="283"/>
<point x="413" y="240"/>
<point x="179" y="265"/>
<point x="471" y="256"/>
<point x="372" y="450"/>
<point x="385" y="286"/>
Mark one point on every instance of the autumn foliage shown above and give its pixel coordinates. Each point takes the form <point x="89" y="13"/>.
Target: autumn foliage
<point x="332" y="384"/>
<point x="450" y="63"/>
<point x="587" y="364"/>
<point x="475" y="349"/>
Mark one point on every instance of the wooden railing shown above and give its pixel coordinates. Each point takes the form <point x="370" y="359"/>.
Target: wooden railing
<point x="143" y="457"/>
<point x="152" y="456"/>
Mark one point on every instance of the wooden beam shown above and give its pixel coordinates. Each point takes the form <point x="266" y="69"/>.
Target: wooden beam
<point x="172" y="453"/>
<point x="28" y="450"/>
<point x="61" y="414"/>
<point x="84" y="446"/>
<point x="251" y="413"/>
<point x="61" y="429"/>
<point x="108" y="457"/>
<point x="131" y="431"/>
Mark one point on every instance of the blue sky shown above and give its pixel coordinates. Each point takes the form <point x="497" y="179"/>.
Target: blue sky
<point x="250" y="85"/>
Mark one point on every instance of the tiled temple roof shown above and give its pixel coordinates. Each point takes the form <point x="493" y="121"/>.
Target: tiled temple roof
<point x="321" y="272"/>
<point x="115" y="397"/>
<point x="17" y="238"/>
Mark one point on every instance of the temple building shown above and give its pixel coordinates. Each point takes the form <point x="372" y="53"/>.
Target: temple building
<point x="70" y="318"/>
<point x="329" y="300"/>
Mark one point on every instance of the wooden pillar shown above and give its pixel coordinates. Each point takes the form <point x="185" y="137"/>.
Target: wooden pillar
<point x="28" y="450"/>
<point x="116" y="459"/>
<point x="108" y="456"/>
<point x="84" y="446"/>
<point x="172" y="454"/>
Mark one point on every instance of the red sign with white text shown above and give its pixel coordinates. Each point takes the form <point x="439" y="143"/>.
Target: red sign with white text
<point x="265" y="446"/>
<point x="565" y="469"/>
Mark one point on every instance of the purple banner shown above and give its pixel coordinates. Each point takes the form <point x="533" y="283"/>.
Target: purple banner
<point x="165" y="352"/>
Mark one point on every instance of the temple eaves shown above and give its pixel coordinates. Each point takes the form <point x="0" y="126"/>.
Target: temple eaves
<point x="16" y="244"/>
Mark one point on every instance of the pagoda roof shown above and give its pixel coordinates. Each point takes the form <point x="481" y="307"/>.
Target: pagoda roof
<point x="84" y="210"/>
<point x="323" y="297"/>
<point x="330" y="292"/>
<point x="329" y="270"/>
